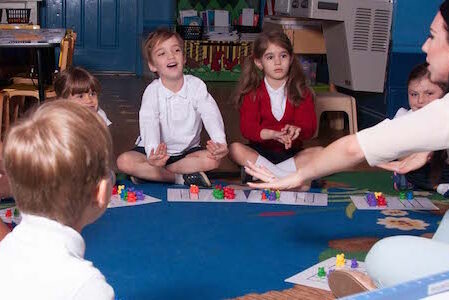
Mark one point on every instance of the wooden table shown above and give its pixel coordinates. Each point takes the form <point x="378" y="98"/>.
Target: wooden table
<point x="33" y="38"/>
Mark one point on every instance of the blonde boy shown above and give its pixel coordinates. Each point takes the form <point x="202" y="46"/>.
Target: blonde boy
<point x="59" y="165"/>
<point x="174" y="107"/>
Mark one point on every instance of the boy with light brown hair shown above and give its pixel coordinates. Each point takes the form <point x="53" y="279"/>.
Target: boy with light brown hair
<point x="59" y="163"/>
<point x="174" y="108"/>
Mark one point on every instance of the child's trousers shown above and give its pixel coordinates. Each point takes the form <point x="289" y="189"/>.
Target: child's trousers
<point x="398" y="259"/>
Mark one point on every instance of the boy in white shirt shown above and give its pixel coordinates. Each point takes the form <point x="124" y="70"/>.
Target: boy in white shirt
<point x="59" y="164"/>
<point x="174" y="107"/>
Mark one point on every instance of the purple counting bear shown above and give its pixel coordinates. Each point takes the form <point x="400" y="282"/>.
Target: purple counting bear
<point x="139" y="195"/>
<point x="371" y="199"/>
<point x="354" y="263"/>
<point x="272" y="196"/>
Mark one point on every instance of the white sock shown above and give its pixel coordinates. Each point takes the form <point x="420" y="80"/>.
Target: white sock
<point x="179" y="179"/>
<point x="262" y="161"/>
<point x="443" y="188"/>
<point x="287" y="165"/>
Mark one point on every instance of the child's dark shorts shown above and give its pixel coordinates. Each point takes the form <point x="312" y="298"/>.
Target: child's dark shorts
<point x="171" y="159"/>
<point x="273" y="156"/>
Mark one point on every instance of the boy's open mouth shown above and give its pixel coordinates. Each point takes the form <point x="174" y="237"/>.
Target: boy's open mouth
<point x="172" y="65"/>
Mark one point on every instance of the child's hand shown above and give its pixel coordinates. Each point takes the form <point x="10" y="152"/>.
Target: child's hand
<point x="280" y="136"/>
<point x="286" y="140"/>
<point x="283" y="138"/>
<point x="292" y="131"/>
<point x="159" y="157"/>
<point x="216" y="150"/>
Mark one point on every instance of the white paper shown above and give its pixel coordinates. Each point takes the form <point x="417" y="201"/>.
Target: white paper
<point x="309" y="276"/>
<point x="116" y="201"/>
<point x="12" y="218"/>
<point x="418" y="203"/>
<point x="291" y="198"/>
<point x="205" y="195"/>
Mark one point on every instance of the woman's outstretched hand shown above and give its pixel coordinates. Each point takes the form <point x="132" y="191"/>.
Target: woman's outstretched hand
<point x="271" y="181"/>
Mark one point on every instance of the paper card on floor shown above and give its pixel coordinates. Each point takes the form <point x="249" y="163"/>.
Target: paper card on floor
<point x="309" y="277"/>
<point x="10" y="215"/>
<point x="205" y="195"/>
<point x="116" y="201"/>
<point x="418" y="203"/>
<point x="291" y="198"/>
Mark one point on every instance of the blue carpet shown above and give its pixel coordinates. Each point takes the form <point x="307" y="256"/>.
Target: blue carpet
<point x="223" y="250"/>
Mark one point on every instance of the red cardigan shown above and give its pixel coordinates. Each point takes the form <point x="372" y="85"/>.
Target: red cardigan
<point x="255" y="115"/>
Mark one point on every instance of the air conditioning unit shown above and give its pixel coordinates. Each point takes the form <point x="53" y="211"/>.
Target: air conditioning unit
<point x="357" y="38"/>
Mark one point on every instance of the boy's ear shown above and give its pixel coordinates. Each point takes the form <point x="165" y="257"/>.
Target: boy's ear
<point x="103" y="193"/>
<point x="258" y="64"/>
<point x="152" y="68"/>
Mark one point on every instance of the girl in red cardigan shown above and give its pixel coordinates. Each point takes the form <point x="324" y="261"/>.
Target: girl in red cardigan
<point x="276" y="108"/>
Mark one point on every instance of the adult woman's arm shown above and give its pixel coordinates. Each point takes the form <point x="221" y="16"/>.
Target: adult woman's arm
<point x="338" y="156"/>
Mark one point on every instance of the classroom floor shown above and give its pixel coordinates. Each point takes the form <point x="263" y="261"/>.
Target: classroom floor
<point x="121" y="98"/>
<point x="174" y="250"/>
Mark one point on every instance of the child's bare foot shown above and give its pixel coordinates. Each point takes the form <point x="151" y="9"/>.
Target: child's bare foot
<point x="348" y="282"/>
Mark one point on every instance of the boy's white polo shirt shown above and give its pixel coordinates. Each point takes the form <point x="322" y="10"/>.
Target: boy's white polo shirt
<point x="43" y="259"/>
<point x="177" y="118"/>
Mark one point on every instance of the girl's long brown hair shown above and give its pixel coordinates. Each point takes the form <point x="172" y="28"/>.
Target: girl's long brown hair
<point x="251" y="76"/>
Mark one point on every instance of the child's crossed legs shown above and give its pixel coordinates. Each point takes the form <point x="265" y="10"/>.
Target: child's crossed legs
<point x="280" y="165"/>
<point x="135" y="163"/>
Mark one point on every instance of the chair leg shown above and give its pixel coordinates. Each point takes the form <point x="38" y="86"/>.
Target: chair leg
<point x="318" y="121"/>
<point x="18" y="105"/>
<point x="6" y="101"/>
<point x="354" y="115"/>
<point x="2" y="102"/>
<point x="350" y="122"/>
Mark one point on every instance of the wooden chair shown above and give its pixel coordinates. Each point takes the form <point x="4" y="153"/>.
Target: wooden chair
<point x="336" y="102"/>
<point x="65" y="58"/>
<point x="3" y="100"/>
<point x="19" y="90"/>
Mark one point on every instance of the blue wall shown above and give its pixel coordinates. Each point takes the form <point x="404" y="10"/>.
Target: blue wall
<point x="411" y="22"/>
<point x="158" y="13"/>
